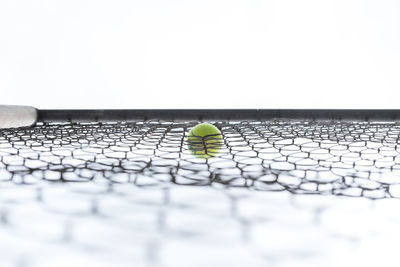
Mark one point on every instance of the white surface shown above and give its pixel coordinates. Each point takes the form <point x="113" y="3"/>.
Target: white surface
<point x="266" y="228"/>
<point x="200" y="54"/>
<point x="17" y="116"/>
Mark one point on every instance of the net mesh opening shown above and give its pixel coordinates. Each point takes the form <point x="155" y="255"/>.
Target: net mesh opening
<point x="357" y="159"/>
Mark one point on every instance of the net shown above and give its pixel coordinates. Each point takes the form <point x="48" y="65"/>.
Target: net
<point x="359" y="159"/>
<point x="277" y="193"/>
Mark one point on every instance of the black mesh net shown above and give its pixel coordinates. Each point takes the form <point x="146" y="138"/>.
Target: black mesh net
<point x="359" y="159"/>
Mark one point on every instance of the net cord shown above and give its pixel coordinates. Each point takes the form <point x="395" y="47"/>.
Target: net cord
<point x="217" y="114"/>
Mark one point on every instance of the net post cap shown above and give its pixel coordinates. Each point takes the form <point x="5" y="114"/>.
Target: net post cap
<point x="14" y="116"/>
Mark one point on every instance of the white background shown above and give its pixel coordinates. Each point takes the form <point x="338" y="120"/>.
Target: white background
<point x="200" y="54"/>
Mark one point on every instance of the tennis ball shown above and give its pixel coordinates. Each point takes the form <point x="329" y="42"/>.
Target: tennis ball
<point x="205" y="140"/>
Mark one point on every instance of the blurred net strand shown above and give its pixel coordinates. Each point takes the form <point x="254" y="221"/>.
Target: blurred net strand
<point x="359" y="159"/>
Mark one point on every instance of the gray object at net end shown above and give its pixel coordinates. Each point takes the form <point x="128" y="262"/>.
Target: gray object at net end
<point x="17" y="116"/>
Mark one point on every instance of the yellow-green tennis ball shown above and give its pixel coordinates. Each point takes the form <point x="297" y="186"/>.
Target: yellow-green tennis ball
<point x="205" y="140"/>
